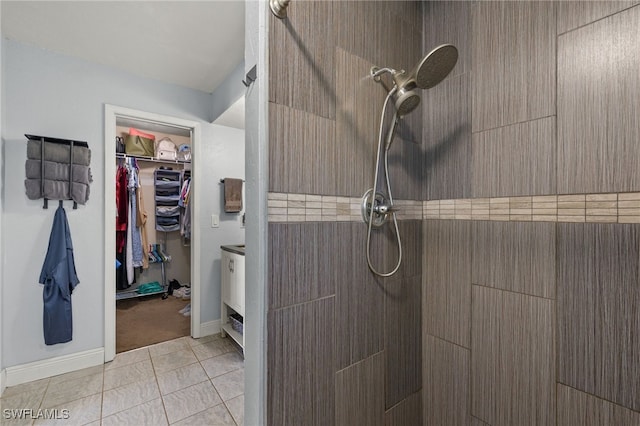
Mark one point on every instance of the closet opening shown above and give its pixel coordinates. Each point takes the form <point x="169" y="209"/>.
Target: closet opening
<point x="152" y="263"/>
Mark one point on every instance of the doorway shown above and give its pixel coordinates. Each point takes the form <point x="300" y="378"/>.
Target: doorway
<point x="115" y="116"/>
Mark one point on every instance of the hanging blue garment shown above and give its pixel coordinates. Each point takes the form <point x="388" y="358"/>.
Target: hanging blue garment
<point x="136" y="236"/>
<point x="59" y="278"/>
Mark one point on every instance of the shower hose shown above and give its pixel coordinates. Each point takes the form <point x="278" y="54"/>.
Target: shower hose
<point x="387" y="180"/>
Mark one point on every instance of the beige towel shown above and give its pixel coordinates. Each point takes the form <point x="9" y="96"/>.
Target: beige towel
<point x="232" y="195"/>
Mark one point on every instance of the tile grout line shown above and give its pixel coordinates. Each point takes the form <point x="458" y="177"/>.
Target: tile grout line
<point x="512" y="291"/>
<point x="155" y="376"/>
<point x="597" y="397"/>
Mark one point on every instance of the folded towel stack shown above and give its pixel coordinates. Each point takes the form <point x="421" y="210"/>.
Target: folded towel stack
<point x="59" y="153"/>
<point x="57" y="172"/>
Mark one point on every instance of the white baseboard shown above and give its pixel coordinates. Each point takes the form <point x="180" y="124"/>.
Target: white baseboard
<point x="53" y="366"/>
<point x="3" y="380"/>
<point x="209" y="328"/>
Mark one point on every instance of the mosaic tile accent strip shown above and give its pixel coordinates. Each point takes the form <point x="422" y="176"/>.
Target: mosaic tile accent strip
<point x="629" y="207"/>
<point x="577" y="208"/>
<point x="596" y="208"/>
<point x="289" y="208"/>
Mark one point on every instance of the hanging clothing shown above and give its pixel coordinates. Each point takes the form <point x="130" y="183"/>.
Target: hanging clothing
<point x="185" y="223"/>
<point x="122" y="216"/>
<point x="59" y="278"/>
<point x="131" y="276"/>
<point x="136" y="241"/>
<point x="121" y="207"/>
<point x="141" y="220"/>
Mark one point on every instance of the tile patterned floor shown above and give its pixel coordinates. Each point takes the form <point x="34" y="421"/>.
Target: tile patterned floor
<point x="183" y="382"/>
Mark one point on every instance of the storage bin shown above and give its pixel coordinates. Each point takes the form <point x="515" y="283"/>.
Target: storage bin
<point x="236" y="322"/>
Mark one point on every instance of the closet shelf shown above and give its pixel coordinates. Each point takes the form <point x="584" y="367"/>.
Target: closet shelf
<point x="152" y="159"/>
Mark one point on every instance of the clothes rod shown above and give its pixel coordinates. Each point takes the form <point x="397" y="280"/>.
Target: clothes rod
<point x="152" y="159"/>
<point x="58" y="141"/>
<point x="222" y="180"/>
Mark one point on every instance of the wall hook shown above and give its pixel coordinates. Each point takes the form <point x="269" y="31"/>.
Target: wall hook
<point x="251" y="76"/>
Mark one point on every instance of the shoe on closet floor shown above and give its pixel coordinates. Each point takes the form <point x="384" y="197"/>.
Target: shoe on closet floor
<point x="185" y="309"/>
<point x="186" y="293"/>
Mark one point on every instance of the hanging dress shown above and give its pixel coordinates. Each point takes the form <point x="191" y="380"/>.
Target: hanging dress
<point x="121" y="226"/>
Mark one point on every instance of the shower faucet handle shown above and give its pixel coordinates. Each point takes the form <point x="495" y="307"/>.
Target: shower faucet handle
<point x="384" y="208"/>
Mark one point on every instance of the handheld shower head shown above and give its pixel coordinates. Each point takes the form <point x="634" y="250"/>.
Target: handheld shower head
<point x="405" y="101"/>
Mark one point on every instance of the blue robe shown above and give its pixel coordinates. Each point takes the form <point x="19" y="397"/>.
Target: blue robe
<point x="59" y="278"/>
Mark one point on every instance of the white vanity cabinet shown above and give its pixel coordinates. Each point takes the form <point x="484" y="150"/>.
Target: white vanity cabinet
<point x="232" y="292"/>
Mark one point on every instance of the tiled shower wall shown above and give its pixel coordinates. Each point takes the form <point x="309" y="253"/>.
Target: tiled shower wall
<point x="533" y="318"/>
<point x="344" y="348"/>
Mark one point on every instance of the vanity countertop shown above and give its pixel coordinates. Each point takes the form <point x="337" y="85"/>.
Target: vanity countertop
<point x="238" y="249"/>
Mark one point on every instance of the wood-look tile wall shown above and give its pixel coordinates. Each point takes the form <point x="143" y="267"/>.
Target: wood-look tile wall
<point x="445" y="382"/>
<point x="574" y="14"/>
<point x="599" y="310"/>
<point x="403" y="340"/>
<point x="360" y="393"/>
<point x="513" y="62"/>
<point x="598" y="91"/>
<point x="313" y="274"/>
<point x="324" y="114"/>
<point x="514" y="160"/>
<point x="301" y="364"/>
<point x="406" y="413"/>
<point x="536" y="123"/>
<point x="447" y="280"/>
<point x="577" y="408"/>
<point x="531" y="292"/>
<point x="515" y="256"/>
<point x="512" y="358"/>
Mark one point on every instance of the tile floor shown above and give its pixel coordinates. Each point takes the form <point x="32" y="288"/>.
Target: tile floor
<point x="184" y="381"/>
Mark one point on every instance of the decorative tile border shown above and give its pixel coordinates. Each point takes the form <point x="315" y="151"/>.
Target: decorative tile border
<point x="598" y="208"/>
<point x="284" y="207"/>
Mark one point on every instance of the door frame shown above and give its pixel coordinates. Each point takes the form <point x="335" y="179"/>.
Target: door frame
<point x="111" y="114"/>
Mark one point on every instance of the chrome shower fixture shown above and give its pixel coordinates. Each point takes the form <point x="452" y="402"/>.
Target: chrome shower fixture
<point x="377" y="208"/>
<point x="430" y="71"/>
<point x="279" y="8"/>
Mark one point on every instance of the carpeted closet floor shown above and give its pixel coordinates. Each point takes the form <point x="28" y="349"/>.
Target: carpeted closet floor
<point x="144" y="321"/>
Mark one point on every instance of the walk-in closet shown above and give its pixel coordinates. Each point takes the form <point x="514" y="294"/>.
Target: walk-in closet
<point x="153" y="232"/>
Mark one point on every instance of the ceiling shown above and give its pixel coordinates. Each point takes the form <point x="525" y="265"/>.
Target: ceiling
<point x="194" y="44"/>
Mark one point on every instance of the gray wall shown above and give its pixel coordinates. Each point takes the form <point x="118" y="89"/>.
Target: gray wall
<point x="50" y="94"/>
<point x="2" y="384"/>
<point x="533" y="322"/>
<point x="227" y="92"/>
<point x="356" y="338"/>
<point x="223" y="150"/>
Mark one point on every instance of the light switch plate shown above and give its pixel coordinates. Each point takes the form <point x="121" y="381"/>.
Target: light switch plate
<point x="215" y="221"/>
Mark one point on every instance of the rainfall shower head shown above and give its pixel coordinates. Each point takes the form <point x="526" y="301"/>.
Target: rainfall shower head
<point x="431" y="70"/>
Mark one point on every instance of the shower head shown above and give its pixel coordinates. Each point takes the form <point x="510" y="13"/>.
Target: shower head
<point x="405" y="101"/>
<point x="431" y="70"/>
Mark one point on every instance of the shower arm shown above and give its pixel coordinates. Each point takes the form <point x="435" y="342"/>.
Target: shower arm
<point x="376" y="74"/>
